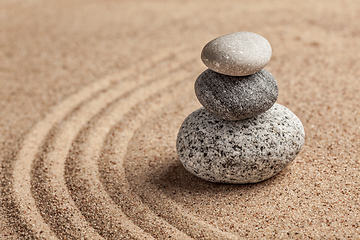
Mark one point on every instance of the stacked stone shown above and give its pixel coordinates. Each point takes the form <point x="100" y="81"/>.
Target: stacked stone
<point x="240" y="135"/>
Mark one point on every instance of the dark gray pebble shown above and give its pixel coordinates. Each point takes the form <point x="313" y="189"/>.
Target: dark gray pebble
<point x="236" y="98"/>
<point x="245" y="151"/>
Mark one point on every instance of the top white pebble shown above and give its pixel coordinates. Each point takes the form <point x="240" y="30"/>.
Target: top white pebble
<point x="237" y="54"/>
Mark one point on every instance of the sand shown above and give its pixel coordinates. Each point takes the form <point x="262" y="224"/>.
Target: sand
<point x="92" y="96"/>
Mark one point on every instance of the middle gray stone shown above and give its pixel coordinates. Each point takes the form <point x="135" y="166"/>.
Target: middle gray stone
<point x="236" y="97"/>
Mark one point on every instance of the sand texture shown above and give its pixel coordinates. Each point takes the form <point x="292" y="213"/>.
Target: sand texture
<point x="93" y="94"/>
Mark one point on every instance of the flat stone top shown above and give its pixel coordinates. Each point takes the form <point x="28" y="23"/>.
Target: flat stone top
<point x="237" y="54"/>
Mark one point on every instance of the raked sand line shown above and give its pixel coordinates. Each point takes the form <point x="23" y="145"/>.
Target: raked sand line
<point x="83" y="174"/>
<point x="51" y="177"/>
<point x="115" y="180"/>
<point x="52" y="164"/>
<point x="22" y="195"/>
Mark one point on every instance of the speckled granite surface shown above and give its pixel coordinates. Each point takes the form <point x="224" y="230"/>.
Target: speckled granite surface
<point x="244" y="151"/>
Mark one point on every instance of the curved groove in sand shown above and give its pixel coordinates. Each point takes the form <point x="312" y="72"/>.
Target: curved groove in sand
<point x="81" y="160"/>
<point x="52" y="164"/>
<point x="32" y="143"/>
<point x="120" y="189"/>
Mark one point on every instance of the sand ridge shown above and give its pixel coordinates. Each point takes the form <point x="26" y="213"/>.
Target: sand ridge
<point x="93" y="94"/>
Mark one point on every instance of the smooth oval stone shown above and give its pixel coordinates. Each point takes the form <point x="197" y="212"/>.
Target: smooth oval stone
<point x="236" y="98"/>
<point x="237" y="54"/>
<point x="246" y="151"/>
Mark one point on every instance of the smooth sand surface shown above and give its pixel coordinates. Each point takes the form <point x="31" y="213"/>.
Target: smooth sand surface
<point x="92" y="96"/>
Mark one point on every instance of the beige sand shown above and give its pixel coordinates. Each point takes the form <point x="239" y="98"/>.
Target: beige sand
<point x="94" y="92"/>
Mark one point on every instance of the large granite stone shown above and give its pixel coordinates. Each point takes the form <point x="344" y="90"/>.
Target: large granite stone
<point x="245" y="151"/>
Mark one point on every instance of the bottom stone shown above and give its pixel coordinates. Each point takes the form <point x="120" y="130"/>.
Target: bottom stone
<point x="245" y="151"/>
